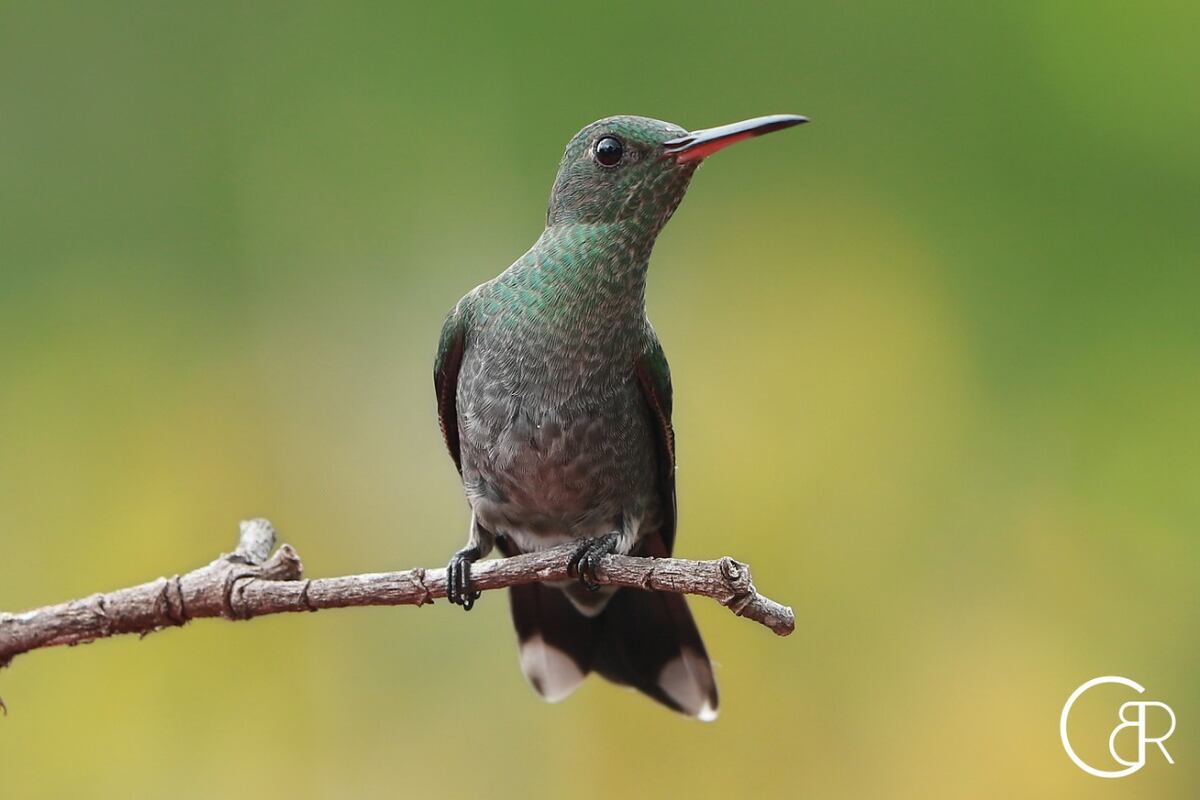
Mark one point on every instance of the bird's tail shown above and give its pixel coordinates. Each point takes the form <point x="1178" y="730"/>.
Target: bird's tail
<point x="644" y="639"/>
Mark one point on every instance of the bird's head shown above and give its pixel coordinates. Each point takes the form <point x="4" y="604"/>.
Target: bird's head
<point x="637" y="169"/>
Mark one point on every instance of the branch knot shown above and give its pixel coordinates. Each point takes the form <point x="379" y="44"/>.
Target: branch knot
<point x="232" y="592"/>
<point x="426" y="597"/>
<point x="741" y="589"/>
<point x="172" y="601"/>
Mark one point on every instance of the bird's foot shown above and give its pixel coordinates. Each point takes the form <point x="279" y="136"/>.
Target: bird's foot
<point x="459" y="589"/>
<point x="586" y="559"/>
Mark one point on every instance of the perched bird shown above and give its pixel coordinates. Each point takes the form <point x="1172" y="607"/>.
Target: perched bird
<point x="554" y="398"/>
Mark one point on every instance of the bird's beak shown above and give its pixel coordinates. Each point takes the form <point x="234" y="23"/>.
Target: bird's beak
<point x="703" y="143"/>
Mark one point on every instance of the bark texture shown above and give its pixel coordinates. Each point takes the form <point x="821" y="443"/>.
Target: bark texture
<point x="257" y="579"/>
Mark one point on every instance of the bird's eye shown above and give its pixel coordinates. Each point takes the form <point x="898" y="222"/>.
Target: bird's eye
<point x="609" y="151"/>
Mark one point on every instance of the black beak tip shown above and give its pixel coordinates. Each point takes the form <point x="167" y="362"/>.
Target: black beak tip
<point x="781" y="121"/>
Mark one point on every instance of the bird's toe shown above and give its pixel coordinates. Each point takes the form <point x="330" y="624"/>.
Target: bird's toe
<point x="460" y="590"/>
<point x="586" y="559"/>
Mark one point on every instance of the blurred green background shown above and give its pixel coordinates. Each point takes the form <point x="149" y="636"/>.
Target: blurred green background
<point x="936" y="357"/>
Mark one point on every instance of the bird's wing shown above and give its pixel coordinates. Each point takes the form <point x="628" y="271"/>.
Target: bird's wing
<point x="451" y="346"/>
<point x="654" y="376"/>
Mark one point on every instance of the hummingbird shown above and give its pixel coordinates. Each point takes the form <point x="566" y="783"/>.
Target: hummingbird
<point x="554" y="398"/>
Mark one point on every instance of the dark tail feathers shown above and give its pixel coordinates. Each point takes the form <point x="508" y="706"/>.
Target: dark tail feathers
<point x="647" y="640"/>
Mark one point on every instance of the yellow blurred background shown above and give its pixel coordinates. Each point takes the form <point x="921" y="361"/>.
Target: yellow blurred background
<point x="936" y="358"/>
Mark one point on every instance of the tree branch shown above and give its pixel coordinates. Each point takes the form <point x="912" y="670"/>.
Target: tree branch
<point x="253" y="581"/>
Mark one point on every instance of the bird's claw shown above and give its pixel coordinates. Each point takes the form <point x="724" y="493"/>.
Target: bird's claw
<point x="459" y="589"/>
<point x="586" y="559"/>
